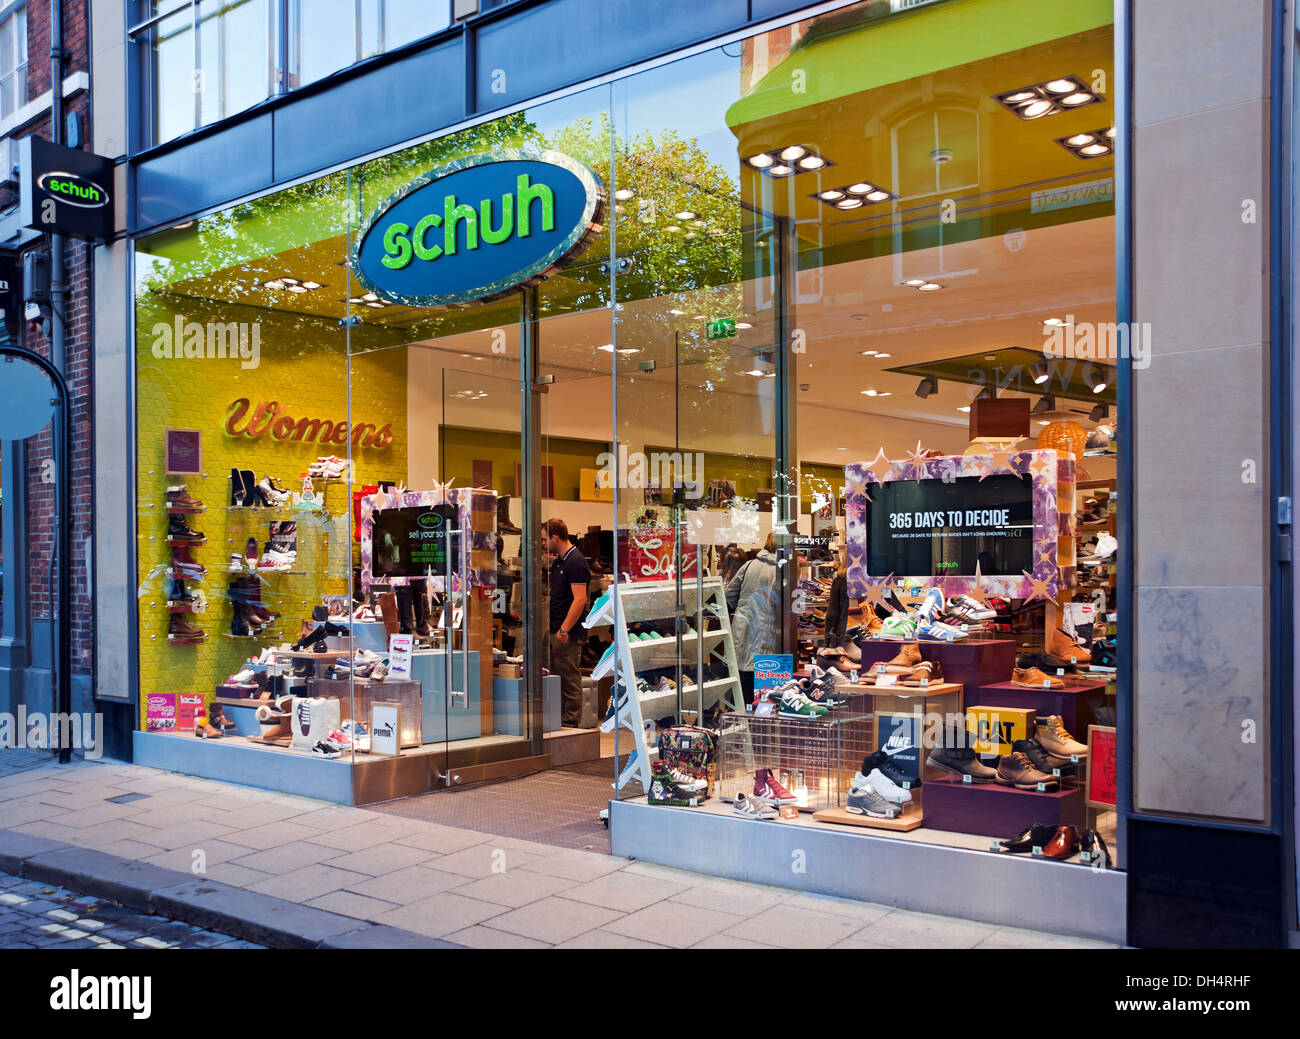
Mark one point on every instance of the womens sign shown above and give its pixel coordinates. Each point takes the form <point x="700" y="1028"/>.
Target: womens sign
<point x="479" y="228"/>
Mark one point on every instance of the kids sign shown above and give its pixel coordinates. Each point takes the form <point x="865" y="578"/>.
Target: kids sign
<point x="479" y="228"/>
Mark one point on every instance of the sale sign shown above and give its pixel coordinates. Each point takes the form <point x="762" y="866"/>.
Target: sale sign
<point x="651" y="553"/>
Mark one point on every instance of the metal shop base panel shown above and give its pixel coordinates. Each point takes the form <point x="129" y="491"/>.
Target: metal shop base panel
<point x="369" y="780"/>
<point x="1007" y="890"/>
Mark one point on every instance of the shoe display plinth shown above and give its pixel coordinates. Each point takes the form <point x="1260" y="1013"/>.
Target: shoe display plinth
<point x="1018" y="771"/>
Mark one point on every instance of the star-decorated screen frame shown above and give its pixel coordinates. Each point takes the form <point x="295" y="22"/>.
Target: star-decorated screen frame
<point x="1052" y="480"/>
<point x="468" y="502"/>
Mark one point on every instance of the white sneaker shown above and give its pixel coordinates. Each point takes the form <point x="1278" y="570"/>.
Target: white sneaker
<point x="690" y="783"/>
<point x="883" y="785"/>
<point x="748" y="808"/>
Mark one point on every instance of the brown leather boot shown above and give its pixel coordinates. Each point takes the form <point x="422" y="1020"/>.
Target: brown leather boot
<point x="388" y="611"/>
<point x="1032" y="678"/>
<point x="181" y="628"/>
<point x="1062" y="651"/>
<point x="909" y="655"/>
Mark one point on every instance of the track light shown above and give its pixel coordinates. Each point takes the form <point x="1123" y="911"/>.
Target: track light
<point x="1040" y="372"/>
<point x="1046" y="404"/>
<point x="928" y="386"/>
<point x="1099" y="413"/>
<point x="1096" y="382"/>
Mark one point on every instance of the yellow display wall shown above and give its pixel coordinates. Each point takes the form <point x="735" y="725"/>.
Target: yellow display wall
<point x="303" y="365"/>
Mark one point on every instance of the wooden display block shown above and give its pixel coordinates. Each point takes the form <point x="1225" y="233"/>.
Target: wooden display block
<point x="908" y="820"/>
<point x="971" y="662"/>
<point x="1071" y="703"/>
<point x="993" y="810"/>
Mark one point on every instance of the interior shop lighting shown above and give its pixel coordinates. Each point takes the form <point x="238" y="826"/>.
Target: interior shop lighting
<point x="851" y="196"/>
<point x="877" y="393"/>
<point x="867" y="353"/>
<point x="1095" y="381"/>
<point x="1056" y="322"/>
<point x="878" y="355"/>
<point x="1040" y="372"/>
<point x="287" y="284"/>
<point x="1046" y="403"/>
<point x="1091" y="144"/>
<point x="624" y="195"/>
<point x="1048" y="98"/>
<point x="929" y="286"/>
<point x="788" y="161"/>
<point x="928" y="386"/>
<point x="609" y="349"/>
<point x="743" y="324"/>
<point x="1099" y="413"/>
<point x="964" y="408"/>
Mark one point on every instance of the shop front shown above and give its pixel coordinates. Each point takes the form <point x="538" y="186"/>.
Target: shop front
<point x="804" y="344"/>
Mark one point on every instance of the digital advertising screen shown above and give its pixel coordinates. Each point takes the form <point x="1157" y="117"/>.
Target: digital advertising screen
<point x="932" y="528"/>
<point x="412" y="542"/>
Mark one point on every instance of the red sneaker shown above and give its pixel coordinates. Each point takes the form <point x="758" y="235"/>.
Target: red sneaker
<point x="768" y="791"/>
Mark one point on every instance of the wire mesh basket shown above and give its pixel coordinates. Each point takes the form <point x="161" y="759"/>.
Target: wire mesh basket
<point x="813" y="758"/>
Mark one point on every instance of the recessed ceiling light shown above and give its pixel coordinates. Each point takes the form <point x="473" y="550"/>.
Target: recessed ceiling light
<point x="743" y="324"/>
<point x="869" y="393"/>
<point x="812" y="162"/>
<point x="1055" y="322"/>
<point x="867" y="353"/>
<point x="1110" y="132"/>
<point x="795" y="151"/>
<point x="699" y="317"/>
<point x="1061" y="86"/>
<point x="914" y="282"/>
<point x="1024" y="95"/>
<point x="878" y="195"/>
<point x="841" y="449"/>
<point x="677" y="312"/>
<point x="883" y="355"/>
<point x="1074" y="100"/>
<point x="929" y="286"/>
<point x="369" y="297"/>
<point x="1043" y="422"/>
<point x="1095" y="149"/>
<point x="860" y="188"/>
<point x="290" y="281"/>
<point x="274" y="283"/>
<point x="780" y="170"/>
<point x="1036" y="108"/>
<point x="965" y="408"/>
<point x="295" y="288"/>
<point x="375" y="306"/>
<point x="624" y="194"/>
<point x="311" y="285"/>
<point x="761" y="161"/>
<point x="1080" y="139"/>
<point x="833" y="195"/>
<point x="849" y="203"/>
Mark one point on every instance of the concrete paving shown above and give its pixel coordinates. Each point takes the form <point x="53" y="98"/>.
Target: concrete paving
<point x="289" y="871"/>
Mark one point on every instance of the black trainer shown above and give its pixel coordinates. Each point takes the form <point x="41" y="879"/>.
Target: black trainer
<point x="1105" y="656"/>
<point x="888" y="768"/>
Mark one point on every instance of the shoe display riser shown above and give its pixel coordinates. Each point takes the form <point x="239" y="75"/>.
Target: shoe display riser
<point x="970" y="663"/>
<point x="1077" y="704"/>
<point x="993" y="810"/>
<point x="355" y="700"/>
<point x="510" y="709"/>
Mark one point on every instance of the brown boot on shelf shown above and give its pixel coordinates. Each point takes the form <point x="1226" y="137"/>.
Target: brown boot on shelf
<point x="178" y="497"/>
<point x="179" y="627"/>
<point x="205" y="731"/>
<point x="1032" y="678"/>
<point x="217" y="718"/>
<point x="388" y="611"/>
<point x="1062" y="651"/>
<point x="280" y="730"/>
<point x="909" y="655"/>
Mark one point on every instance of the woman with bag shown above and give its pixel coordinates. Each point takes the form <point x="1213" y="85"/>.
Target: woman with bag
<point x="754" y="599"/>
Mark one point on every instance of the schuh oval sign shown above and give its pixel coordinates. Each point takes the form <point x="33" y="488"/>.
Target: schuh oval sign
<point x="479" y="227"/>
<point x="74" y="190"/>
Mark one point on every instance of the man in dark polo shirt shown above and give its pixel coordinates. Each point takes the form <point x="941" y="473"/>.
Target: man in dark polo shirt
<point x="569" y="577"/>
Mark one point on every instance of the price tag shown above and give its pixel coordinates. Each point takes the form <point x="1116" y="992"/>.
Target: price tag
<point x="924" y="683"/>
<point x="1073" y="660"/>
<point x="1036" y="851"/>
<point x="1056" y="772"/>
<point x="1047" y="684"/>
<point x="1042" y="788"/>
<point x="883" y="679"/>
<point x="967" y="780"/>
<point x="789" y="812"/>
<point x="1085" y="857"/>
<point x="764" y="708"/>
<point x="994" y="846"/>
<point x="1060" y="672"/>
<point x="1074" y="758"/>
<point x="907" y="784"/>
<point x="880" y="669"/>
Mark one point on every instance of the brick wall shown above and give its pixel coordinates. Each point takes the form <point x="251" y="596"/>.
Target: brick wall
<point x="77" y="345"/>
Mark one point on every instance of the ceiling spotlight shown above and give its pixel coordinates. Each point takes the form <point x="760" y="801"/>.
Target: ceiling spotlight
<point x="867" y="353"/>
<point x="928" y="386"/>
<point x="1055" y="322"/>
<point x="812" y="162"/>
<point x="311" y="285"/>
<point x="624" y="194"/>
<point x="290" y="281"/>
<point x="1079" y="140"/>
<point x="743" y="324"/>
<point x="833" y="195"/>
<point x="1095" y="381"/>
<point x="780" y="170"/>
<point x="915" y="282"/>
<point x="1045" y="404"/>
<point x="1049" y="98"/>
<point x="1100" y="412"/>
<point x="376" y="306"/>
<point x="1023" y="95"/>
<point x="1093" y="150"/>
<point x="878" y="195"/>
<point x="795" y="151"/>
<point x="1036" y="108"/>
<point x="964" y="408"/>
<point x="1040" y="372"/>
<point x="369" y="297"/>
<point x="761" y="161"/>
<point x="1074" y="100"/>
<point x="879" y="355"/>
<point x="849" y="203"/>
<point x="929" y="286"/>
<point x="274" y="283"/>
<point x="860" y="188"/>
<point x="295" y="288"/>
<point x="1110" y="132"/>
<point x="1062" y="86"/>
<point x="869" y="393"/>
